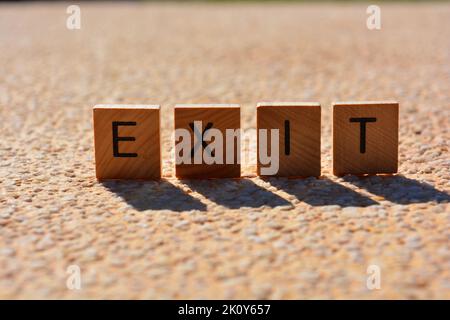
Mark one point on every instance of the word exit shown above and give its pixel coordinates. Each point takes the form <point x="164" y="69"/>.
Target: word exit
<point x="207" y="140"/>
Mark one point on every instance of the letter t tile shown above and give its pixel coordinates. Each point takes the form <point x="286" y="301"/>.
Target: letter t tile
<point x="365" y="137"/>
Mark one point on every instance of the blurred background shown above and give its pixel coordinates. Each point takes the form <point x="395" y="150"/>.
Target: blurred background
<point x="250" y="238"/>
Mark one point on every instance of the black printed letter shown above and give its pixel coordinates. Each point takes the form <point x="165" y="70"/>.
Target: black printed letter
<point x="287" y="137"/>
<point x="362" y="131"/>
<point x="116" y="139"/>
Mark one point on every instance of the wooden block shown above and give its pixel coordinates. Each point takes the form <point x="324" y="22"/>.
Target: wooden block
<point x="299" y="136"/>
<point x="365" y="137"/>
<point x="197" y="120"/>
<point x="127" y="141"/>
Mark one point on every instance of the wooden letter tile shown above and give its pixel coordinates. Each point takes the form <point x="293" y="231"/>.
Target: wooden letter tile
<point x="365" y="137"/>
<point x="196" y="122"/>
<point x="127" y="142"/>
<point x="299" y="136"/>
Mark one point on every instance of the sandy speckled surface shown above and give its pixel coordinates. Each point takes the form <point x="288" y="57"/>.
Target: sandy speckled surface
<point x="249" y="238"/>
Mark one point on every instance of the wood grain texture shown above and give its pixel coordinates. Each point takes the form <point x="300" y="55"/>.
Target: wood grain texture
<point x="139" y="121"/>
<point x="299" y="127"/>
<point x="379" y="153"/>
<point x="222" y="117"/>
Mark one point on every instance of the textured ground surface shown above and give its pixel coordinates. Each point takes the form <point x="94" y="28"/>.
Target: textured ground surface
<point x="251" y="238"/>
